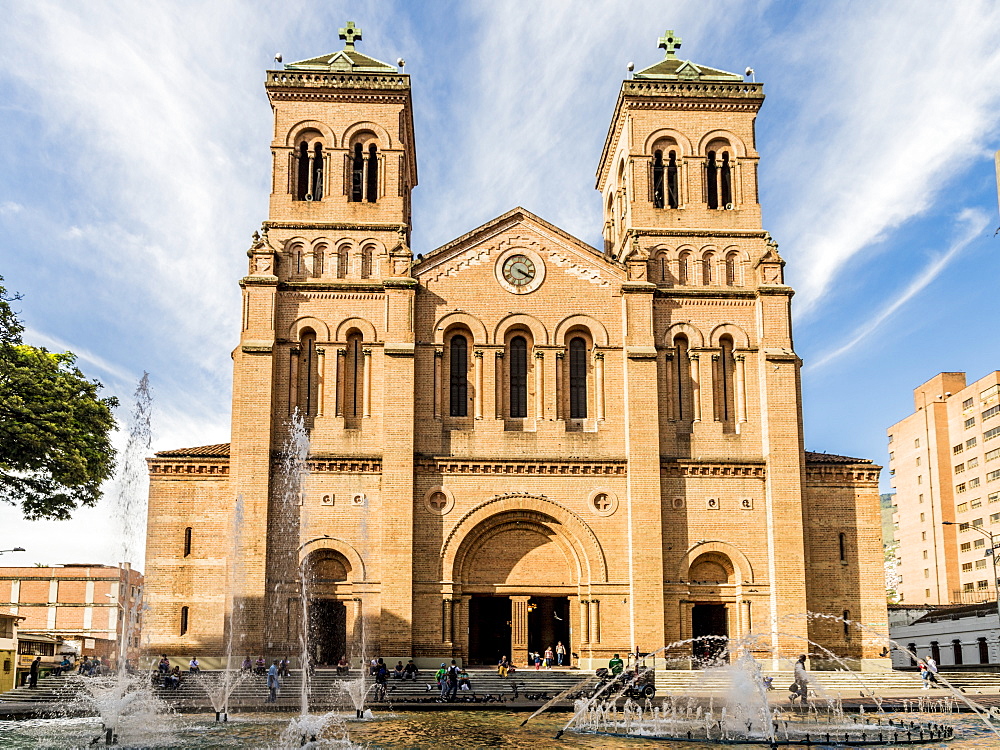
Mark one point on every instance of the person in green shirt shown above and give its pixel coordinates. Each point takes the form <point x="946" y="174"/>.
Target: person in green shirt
<point x="616" y="666"/>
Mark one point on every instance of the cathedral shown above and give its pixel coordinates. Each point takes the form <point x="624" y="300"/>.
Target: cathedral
<point x="516" y="439"/>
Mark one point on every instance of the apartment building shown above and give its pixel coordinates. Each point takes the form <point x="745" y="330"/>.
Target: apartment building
<point x="944" y="464"/>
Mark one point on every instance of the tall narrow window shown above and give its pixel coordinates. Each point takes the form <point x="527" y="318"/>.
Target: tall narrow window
<point x="711" y="181"/>
<point x="302" y="172"/>
<point x="459" y="370"/>
<point x="727" y="379"/>
<point x="577" y="378"/>
<point x="307" y="387"/>
<point x="984" y="651"/>
<point x="317" y="173"/>
<point x="956" y="649"/>
<point x="708" y="269"/>
<point x="343" y="263"/>
<point x="936" y="651"/>
<point x="354" y="380"/>
<point x="658" y="192"/>
<point x="371" y="189"/>
<point x="731" y="269"/>
<point x="847" y="623"/>
<point x="366" y="263"/>
<point x="187" y="541"/>
<point x="842" y="541"/>
<point x="673" y="193"/>
<point x="357" y="174"/>
<point x="726" y="180"/>
<point x="184" y="620"/>
<point x="683" y="270"/>
<point x="518" y="377"/>
<point x="912" y="648"/>
<point x="683" y="385"/>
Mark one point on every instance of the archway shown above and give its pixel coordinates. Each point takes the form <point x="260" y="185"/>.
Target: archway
<point x="709" y="616"/>
<point x="518" y="570"/>
<point x="327" y="574"/>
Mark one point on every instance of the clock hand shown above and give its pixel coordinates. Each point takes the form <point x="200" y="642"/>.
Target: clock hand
<point x="517" y="271"/>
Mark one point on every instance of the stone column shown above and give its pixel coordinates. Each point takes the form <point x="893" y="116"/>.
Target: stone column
<point x="584" y="621"/>
<point x="599" y="384"/>
<point x="519" y="630"/>
<point x="562" y="409"/>
<point x="695" y="387"/>
<point x="321" y="385"/>
<point x="477" y="356"/>
<point x="293" y="379"/>
<point x="498" y="388"/>
<point x="338" y="387"/>
<point x="446" y="622"/>
<point x="456" y="624"/>
<point x="595" y="621"/>
<point x="539" y="385"/>
<point x="438" y="357"/>
<point x="367" y="395"/>
<point x="741" y="391"/>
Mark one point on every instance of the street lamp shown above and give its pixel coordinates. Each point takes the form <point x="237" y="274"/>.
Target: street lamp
<point x="16" y="549"/>
<point x="992" y="552"/>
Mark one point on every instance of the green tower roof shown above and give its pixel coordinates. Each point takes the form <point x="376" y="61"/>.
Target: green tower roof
<point x="672" y="68"/>
<point x="347" y="60"/>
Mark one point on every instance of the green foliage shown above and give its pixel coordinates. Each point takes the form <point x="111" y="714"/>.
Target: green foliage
<point x="55" y="449"/>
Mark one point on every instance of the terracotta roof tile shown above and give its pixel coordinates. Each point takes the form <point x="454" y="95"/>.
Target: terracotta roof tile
<point x="219" y="450"/>
<point x="832" y="458"/>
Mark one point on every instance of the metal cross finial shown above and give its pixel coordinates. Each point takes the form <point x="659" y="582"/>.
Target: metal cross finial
<point x="669" y="42"/>
<point x="350" y="35"/>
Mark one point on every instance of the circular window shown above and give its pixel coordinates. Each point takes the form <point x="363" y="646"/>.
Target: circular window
<point x="603" y="501"/>
<point x="438" y="501"/>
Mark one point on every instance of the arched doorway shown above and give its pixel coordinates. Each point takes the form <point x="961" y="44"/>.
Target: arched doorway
<point x="327" y="577"/>
<point x="708" y="574"/>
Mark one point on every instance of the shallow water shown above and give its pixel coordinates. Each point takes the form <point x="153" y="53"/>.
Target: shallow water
<point x="449" y="729"/>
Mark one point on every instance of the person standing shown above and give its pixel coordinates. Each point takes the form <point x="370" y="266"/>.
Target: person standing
<point x="452" y="681"/>
<point x="800" y="687"/>
<point x="560" y="653"/>
<point x="272" y="683"/>
<point x="550" y="657"/>
<point x="924" y="675"/>
<point x="932" y="670"/>
<point x="33" y="672"/>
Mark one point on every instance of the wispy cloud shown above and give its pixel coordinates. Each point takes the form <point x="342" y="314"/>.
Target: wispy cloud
<point x="83" y="354"/>
<point x="972" y="223"/>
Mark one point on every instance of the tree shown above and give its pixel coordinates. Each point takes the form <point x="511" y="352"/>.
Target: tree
<point x="55" y="449"/>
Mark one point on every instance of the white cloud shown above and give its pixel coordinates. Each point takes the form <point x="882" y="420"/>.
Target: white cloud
<point x="972" y="223"/>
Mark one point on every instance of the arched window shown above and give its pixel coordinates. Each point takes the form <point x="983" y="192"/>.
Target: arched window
<point x="354" y="377"/>
<point x="658" y="191"/>
<point x="682" y="363"/>
<point x="673" y="192"/>
<point x="661" y="268"/>
<point x="458" y="368"/>
<point x="731" y="270"/>
<point x="683" y="275"/>
<point x="317" y="172"/>
<point x="308" y="385"/>
<point x="366" y="262"/>
<point x="518" y="377"/>
<point x="184" y="620"/>
<point x="842" y="541"/>
<point x="726" y="181"/>
<point x="302" y="172"/>
<point x="956" y="649"/>
<point x="727" y="379"/>
<point x="343" y="263"/>
<point x="708" y="269"/>
<point x="577" y="378"/>
<point x="357" y="173"/>
<point x="711" y="181"/>
<point x="187" y="541"/>
<point x="371" y="188"/>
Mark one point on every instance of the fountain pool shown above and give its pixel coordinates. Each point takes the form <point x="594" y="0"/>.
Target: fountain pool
<point x="402" y="729"/>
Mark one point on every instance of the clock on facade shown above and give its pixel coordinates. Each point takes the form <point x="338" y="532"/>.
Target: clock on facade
<point x="520" y="271"/>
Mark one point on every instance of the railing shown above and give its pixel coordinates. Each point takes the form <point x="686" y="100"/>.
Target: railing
<point x="972" y="597"/>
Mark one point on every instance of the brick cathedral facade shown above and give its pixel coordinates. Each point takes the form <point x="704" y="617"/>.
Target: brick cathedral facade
<point x="517" y="438"/>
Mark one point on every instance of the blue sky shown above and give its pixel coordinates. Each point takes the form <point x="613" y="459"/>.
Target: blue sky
<point x="134" y="167"/>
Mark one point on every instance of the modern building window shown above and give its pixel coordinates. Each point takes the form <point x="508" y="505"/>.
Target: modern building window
<point x="577" y="378"/>
<point x="518" y="389"/>
<point x="991" y="412"/>
<point x="967" y="567"/>
<point x="976" y="503"/>
<point x="973" y="483"/>
<point x="918" y="460"/>
<point x="991" y="433"/>
<point x="970" y="422"/>
<point x="992" y="455"/>
<point x="925" y="554"/>
<point x="970" y="443"/>
<point x="994" y="518"/>
<point x="967" y="587"/>
<point x="993" y="497"/>
<point x="980" y="564"/>
<point x="916" y="443"/>
<point x="184" y="620"/>
<point x="966" y="547"/>
<point x="957" y="449"/>
<point x="187" y="541"/>
<point x="977" y="523"/>
<point x="978" y="543"/>
<point x="982" y="585"/>
<point x="972" y="463"/>
<point x="458" y="396"/>
<point x="922" y="517"/>
<point x="927" y="573"/>
<point x="993" y="476"/>
<point x="962" y="507"/>
<point x="959" y="468"/>
<point x="967" y="404"/>
<point x="960" y="488"/>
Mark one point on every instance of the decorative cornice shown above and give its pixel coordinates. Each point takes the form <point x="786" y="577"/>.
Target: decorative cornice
<point x="202" y="468"/>
<point x="825" y="474"/>
<point x="448" y="465"/>
<point x="345" y="465"/>
<point x="333" y="286"/>
<point x="364" y="226"/>
<point x="706" y="296"/>
<point x="729" y="233"/>
<point x="742" y="470"/>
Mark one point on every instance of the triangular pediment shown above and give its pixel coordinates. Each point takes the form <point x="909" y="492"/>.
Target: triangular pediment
<point x="482" y="246"/>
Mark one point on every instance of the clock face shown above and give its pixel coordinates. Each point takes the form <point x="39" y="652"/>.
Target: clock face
<point x="519" y="270"/>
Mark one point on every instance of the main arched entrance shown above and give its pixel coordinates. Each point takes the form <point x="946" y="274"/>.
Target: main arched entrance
<point x="518" y="569"/>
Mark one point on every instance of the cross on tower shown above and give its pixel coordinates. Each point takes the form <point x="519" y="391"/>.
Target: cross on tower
<point x="669" y="42"/>
<point x="350" y="35"/>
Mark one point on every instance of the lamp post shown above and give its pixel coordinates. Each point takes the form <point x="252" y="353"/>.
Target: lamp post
<point x="992" y="553"/>
<point x="15" y="549"/>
